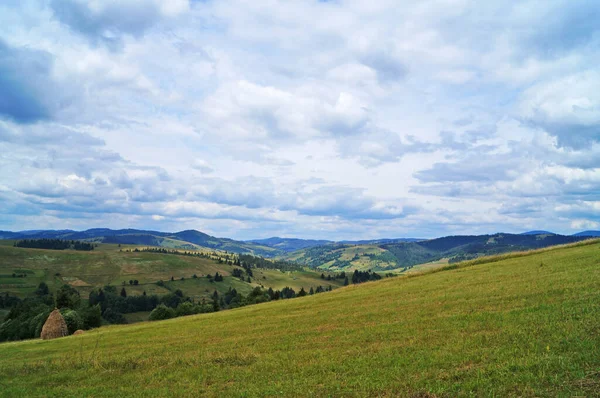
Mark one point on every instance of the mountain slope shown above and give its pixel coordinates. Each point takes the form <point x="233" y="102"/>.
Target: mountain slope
<point x="588" y="233"/>
<point x="109" y="264"/>
<point x="404" y="255"/>
<point x="290" y="244"/>
<point x="526" y="325"/>
<point x="187" y="240"/>
<point x="538" y="232"/>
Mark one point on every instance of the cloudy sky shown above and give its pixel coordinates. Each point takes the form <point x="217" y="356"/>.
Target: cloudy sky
<point x="300" y="118"/>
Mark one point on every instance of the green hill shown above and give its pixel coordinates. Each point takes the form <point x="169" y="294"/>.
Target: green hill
<point x="113" y="264"/>
<point x="515" y="325"/>
<point x="405" y="255"/>
<point x="187" y="240"/>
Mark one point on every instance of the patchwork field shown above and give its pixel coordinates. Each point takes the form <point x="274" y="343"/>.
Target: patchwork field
<point x="523" y="325"/>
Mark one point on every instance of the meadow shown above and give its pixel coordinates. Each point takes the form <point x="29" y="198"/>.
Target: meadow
<point x="114" y="264"/>
<point x="523" y="325"/>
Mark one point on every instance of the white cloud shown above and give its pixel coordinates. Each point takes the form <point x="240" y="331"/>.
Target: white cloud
<point x="325" y="119"/>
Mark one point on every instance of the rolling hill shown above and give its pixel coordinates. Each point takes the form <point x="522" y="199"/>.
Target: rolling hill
<point x="404" y="255"/>
<point x="524" y="324"/>
<point x="109" y="264"/>
<point x="380" y="254"/>
<point x="187" y="240"/>
<point x="290" y="244"/>
<point x="588" y="233"/>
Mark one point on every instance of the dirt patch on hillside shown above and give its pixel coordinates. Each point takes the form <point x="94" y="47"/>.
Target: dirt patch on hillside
<point x="78" y="283"/>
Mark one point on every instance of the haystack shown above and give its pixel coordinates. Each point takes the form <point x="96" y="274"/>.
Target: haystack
<point x="55" y="326"/>
<point x="78" y="331"/>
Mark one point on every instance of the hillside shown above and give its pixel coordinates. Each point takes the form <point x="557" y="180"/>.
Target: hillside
<point x="405" y="255"/>
<point x="108" y="265"/>
<point x="588" y="233"/>
<point x="186" y="240"/>
<point x="289" y="244"/>
<point x="397" y="255"/>
<point x="522" y="325"/>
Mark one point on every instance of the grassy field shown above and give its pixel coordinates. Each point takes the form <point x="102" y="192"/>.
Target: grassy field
<point x="523" y="325"/>
<point x="338" y="258"/>
<point x="106" y="264"/>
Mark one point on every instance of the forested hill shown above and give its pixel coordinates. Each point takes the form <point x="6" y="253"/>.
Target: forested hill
<point x="378" y="254"/>
<point x="405" y="255"/>
<point x="187" y="240"/>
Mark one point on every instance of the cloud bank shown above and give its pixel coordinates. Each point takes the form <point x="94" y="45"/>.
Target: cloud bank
<point x="339" y="120"/>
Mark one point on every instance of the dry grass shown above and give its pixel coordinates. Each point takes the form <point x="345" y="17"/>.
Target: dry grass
<point x="54" y="327"/>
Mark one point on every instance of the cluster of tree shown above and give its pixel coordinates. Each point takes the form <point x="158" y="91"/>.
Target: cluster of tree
<point x="329" y="277"/>
<point x="54" y="244"/>
<point x="8" y="301"/>
<point x="231" y="299"/>
<point x="19" y="275"/>
<point x="238" y="273"/>
<point x="162" y="250"/>
<point x="217" y="278"/>
<point x="113" y="305"/>
<point x="248" y="261"/>
<point x="26" y="317"/>
<point x="105" y="305"/>
<point x="364" y="276"/>
<point x="221" y="258"/>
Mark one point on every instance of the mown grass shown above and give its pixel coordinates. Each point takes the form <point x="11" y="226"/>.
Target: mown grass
<point x="520" y="326"/>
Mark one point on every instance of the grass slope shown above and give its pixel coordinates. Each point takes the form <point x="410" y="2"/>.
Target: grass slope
<point x="107" y="265"/>
<point x="522" y="325"/>
<point x="405" y="255"/>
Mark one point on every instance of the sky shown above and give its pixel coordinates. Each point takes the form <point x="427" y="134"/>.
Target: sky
<point x="354" y="119"/>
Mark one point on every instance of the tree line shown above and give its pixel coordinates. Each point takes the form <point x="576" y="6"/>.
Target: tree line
<point x="108" y="304"/>
<point x="54" y="244"/>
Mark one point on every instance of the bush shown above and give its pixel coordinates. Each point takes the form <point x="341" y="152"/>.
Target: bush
<point x="67" y="297"/>
<point x="73" y="320"/>
<point x="112" y="316"/>
<point x="91" y="317"/>
<point x="162" y="312"/>
<point x="186" y="308"/>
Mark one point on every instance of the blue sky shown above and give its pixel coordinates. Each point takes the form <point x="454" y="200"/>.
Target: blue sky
<point x="338" y="120"/>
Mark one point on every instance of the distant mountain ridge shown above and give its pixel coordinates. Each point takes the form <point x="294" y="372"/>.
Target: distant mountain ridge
<point x="588" y="233"/>
<point x="388" y="256"/>
<point x="187" y="240"/>
<point x="290" y="244"/>
<point x="538" y="232"/>
<point x="377" y="254"/>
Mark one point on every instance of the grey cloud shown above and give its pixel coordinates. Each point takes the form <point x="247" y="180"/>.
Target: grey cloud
<point x="563" y="28"/>
<point x="108" y="22"/>
<point x="29" y="93"/>
<point x="480" y="169"/>
<point x="388" y="68"/>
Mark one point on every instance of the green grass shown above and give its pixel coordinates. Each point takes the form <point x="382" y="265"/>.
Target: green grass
<point x="523" y="325"/>
<point x="134" y="317"/>
<point x="106" y="264"/>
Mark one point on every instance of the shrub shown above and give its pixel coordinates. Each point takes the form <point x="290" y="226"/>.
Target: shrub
<point x="67" y="297"/>
<point x="162" y="312"/>
<point x="73" y="320"/>
<point x="91" y="317"/>
<point x="186" y="308"/>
